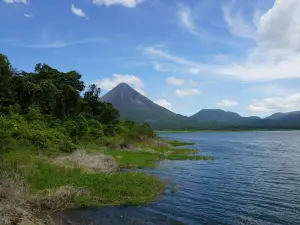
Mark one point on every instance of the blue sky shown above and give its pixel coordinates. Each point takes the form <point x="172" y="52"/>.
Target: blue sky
<point x="237" y="55"/>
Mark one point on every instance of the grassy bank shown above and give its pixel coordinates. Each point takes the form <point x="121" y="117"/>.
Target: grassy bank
<point x="117" y="188"/>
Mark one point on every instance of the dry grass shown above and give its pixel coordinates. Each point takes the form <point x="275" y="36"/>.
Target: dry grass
<point x="90" y="162"/>
<point x="15" y="209"/>
<point x="61" y="198"/>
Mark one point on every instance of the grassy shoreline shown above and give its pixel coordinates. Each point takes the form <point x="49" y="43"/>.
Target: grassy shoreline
<point x="100" y="188"/>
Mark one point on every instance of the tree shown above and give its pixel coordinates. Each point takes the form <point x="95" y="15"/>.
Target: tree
<point x="104" y="112"/>
<point x="6" y="73"/>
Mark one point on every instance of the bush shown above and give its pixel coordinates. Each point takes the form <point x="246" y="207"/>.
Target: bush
<point x="36" y="132"/>
<point x="95" y="129"/>
<point x="137" y="132"/>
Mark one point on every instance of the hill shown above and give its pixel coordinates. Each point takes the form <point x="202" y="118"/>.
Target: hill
<point x="282" y="116"/>
<point x="134" y="106"/>
<point x="218" y="116"/>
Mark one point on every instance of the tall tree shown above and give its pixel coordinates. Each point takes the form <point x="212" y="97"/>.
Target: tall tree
<point x="6" y="73"/>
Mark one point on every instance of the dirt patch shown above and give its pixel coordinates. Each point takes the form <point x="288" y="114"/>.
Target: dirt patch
<point x="91" y="162"/>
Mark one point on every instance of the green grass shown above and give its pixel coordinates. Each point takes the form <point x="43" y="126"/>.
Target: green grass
<point x="122" y="188"/>
<point x="179" y="143"/>
<point x="134" y="159"/>
<point x="119" y="188"/>
<point x="142" y="159"/>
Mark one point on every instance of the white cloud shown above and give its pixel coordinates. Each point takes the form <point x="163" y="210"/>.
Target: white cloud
<point x="180" y="82"/>
<point x="190" y="66"/>
<point x="227" y="103"/>
<point x="237" y="24"/>
<point x="184" y="17"/>
<point x="78" y="12"/>
<point x="175" y="81"/>
<point x="186" y="20"/>
<point x="125" y="3"/>
<point x="132" y="80"/>
<point x="28" y="15"/>
<point x="276" y="104"/>
<point x="187" y="92"/>
<point x="164" y="103"/>
<point x="277" y="55"/>
<point x="63" y="43"/>
<point x="161" y="54"/>
<point x="16" y="1"/>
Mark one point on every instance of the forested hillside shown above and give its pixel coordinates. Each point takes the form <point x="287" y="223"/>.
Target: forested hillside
<point x="49" y="108"/>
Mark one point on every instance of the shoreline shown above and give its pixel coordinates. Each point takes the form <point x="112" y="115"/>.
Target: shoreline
<point x="67" y="187"/>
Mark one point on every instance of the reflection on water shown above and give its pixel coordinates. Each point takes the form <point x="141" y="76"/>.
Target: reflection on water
<point x="255" y="179"/>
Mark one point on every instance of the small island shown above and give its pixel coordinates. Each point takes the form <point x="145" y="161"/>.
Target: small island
<point x="62" y="147"/>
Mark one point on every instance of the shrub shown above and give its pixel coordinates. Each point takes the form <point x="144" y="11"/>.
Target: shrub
<point x="95" y="129"/>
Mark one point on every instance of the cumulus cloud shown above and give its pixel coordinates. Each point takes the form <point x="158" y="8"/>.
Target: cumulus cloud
<point x="187" y="92"/>
<point x="276" y="34"/>
<point x="227" y="103"/>
<point x="28" y="15"/>
<point x="277" y="55"/>
<point x="164" y="103"/>
<point x="16" y="1"/>
<point x="125" y="3"/>
<point x="276" y="104"/>
<point x="132" y="80"/>
<point x="78" y="12"/>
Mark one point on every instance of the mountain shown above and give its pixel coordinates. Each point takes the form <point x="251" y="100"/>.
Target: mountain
<point x="218" y="116"/>
<point x="290" y="120"/>
<point x="279" y="116"/>
<point x="134" y="106"/>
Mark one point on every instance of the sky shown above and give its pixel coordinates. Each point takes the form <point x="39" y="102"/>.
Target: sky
<point x="185" y="55"/>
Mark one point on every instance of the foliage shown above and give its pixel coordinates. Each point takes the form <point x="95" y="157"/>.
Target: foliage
<point x="105" y="189"/>
<point x="47" y="108"/>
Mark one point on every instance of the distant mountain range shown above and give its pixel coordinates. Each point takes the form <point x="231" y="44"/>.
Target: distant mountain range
<point x="134" y="106"/>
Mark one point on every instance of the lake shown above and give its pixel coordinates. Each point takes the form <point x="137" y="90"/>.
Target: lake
<point x="255" y="179"/>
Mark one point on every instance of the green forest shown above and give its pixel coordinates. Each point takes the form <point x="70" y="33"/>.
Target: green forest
<point x="55" y="110"/>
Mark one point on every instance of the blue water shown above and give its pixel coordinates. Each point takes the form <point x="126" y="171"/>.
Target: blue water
<point x="255" y="179"/>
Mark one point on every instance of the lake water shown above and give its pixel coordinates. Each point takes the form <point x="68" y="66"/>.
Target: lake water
<point x="255" y="179"/>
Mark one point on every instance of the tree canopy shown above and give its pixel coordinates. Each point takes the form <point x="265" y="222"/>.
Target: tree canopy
<point x="48" y="105"/>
